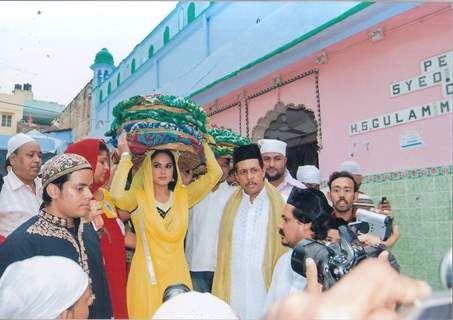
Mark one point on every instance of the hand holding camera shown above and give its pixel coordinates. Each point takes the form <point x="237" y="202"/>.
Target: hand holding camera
<point x="376" y="286"/>
<point x="335" y="260"/>
<point x="369" y="222"/>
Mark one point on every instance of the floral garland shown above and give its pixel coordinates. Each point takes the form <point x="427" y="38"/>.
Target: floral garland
<point x="226" y="140"/>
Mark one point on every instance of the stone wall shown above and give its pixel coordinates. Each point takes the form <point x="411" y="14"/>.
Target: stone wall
<point x="76" y="115"/>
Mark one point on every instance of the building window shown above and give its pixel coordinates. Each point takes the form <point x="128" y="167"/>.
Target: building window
<point x="109" y="88"/>
<point x="6" y="120"/>
<point x="100" y="97"/>
<point x="166" y="35"/>
<point x="181" y="19"/>
<point x="133" y="66"/>
<point x="150" y="51"/>
<point x="191" y="12"/>
<point x="118" y="80"/>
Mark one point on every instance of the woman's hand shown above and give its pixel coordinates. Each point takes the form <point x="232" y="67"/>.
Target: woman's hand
<point x="123" y="146"/>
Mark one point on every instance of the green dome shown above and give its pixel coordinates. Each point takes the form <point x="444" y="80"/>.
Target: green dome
<point x="103" y="56"/>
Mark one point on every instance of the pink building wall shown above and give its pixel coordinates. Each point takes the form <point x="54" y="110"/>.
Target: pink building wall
<point x="228" y="118"/>
<point x="355" y="85"/>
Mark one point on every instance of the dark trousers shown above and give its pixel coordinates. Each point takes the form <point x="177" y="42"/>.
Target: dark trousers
<point x="202" y="280"/>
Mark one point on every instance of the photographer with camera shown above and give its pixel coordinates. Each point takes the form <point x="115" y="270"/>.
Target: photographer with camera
<point x="343" y="192"/>
<point x="305" y="217"/>
<point x="363" y="201"/>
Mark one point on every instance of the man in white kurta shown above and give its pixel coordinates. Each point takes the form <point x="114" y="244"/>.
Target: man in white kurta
<point x="287" y="185"/>
<point x="248" y="290"/>
<point x="21" y="193"/>
<point x="249" y="244"/>
<point x="274" y="157"/>
<point x="203" y="234"/>
<point x="18" y="202"/>
<point x="284" y="281"/>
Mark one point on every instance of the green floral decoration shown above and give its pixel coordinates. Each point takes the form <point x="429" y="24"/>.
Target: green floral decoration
<point x="226" y="140"/>
<point x="196" y="116"/>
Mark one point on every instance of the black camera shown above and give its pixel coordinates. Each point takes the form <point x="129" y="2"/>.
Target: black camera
<point x="335" y="260"/>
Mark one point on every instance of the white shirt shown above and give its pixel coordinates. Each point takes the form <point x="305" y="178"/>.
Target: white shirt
<point x="248" y="289"/>
<point x="284" y="280"/>
<point x="18" y="203"/>
<point x="287" y="185"/>
<point x="203" y="232"/>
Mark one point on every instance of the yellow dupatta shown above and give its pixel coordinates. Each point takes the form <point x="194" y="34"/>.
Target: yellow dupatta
<point x="159" y="259"/>
<point x="274" y="249"/>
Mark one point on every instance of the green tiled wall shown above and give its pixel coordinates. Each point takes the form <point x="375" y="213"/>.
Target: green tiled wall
<point x="422" y="204"/>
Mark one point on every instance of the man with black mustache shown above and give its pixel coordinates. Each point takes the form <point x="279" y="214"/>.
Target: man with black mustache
<point x="304" y="218"/>
<point x="343" y="193"/>
<point x="249" y="243"/>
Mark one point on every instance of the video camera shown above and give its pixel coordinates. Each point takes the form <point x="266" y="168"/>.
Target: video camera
<point x="377" y="224"/>
<point x="335" y="260"/>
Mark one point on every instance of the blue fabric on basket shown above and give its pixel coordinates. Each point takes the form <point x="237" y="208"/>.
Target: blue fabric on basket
<point x="184" y="128"/>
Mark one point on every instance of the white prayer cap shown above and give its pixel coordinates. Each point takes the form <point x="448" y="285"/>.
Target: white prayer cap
<point x="308" y="174"/>
<point x="195" y="305"/>
<point x="352" y="167"/>
<point x="272" y="145"/>
<point x="40" y="287"/>
<point x="15" y="142"/>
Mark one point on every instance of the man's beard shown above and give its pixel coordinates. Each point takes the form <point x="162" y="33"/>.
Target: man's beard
<point x="277" y="176"/>
<point x="342" y="210"/>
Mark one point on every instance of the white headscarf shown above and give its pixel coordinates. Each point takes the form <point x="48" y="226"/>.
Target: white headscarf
<point x="16" y="141"/>
<point x="40" y="287"/>
<point x="272" y="145"/>
<point x="308" y="174"/>
<point x="195" y="305"/>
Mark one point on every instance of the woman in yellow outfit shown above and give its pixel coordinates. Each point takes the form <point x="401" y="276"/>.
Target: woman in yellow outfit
<point x="160" y="219"/>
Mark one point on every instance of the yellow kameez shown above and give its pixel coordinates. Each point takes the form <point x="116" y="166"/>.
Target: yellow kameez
<point x="159" y="259"/>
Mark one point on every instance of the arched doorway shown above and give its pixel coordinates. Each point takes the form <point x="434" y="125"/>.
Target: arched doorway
<point x="297" y="126"/>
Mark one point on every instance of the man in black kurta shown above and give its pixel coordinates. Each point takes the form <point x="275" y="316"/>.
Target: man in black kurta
<point x="54" y="232"/>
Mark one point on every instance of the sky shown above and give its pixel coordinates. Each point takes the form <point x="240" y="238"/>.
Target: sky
<point x="51" y="44"/>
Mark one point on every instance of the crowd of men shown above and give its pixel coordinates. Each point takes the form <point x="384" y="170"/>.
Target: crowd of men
<point x="238" y="244"/>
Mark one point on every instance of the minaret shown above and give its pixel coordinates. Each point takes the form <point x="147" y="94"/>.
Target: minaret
<point x="103" y="65"/>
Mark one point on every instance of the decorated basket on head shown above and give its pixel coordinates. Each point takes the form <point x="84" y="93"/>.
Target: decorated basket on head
<point x="162" y="122"/>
